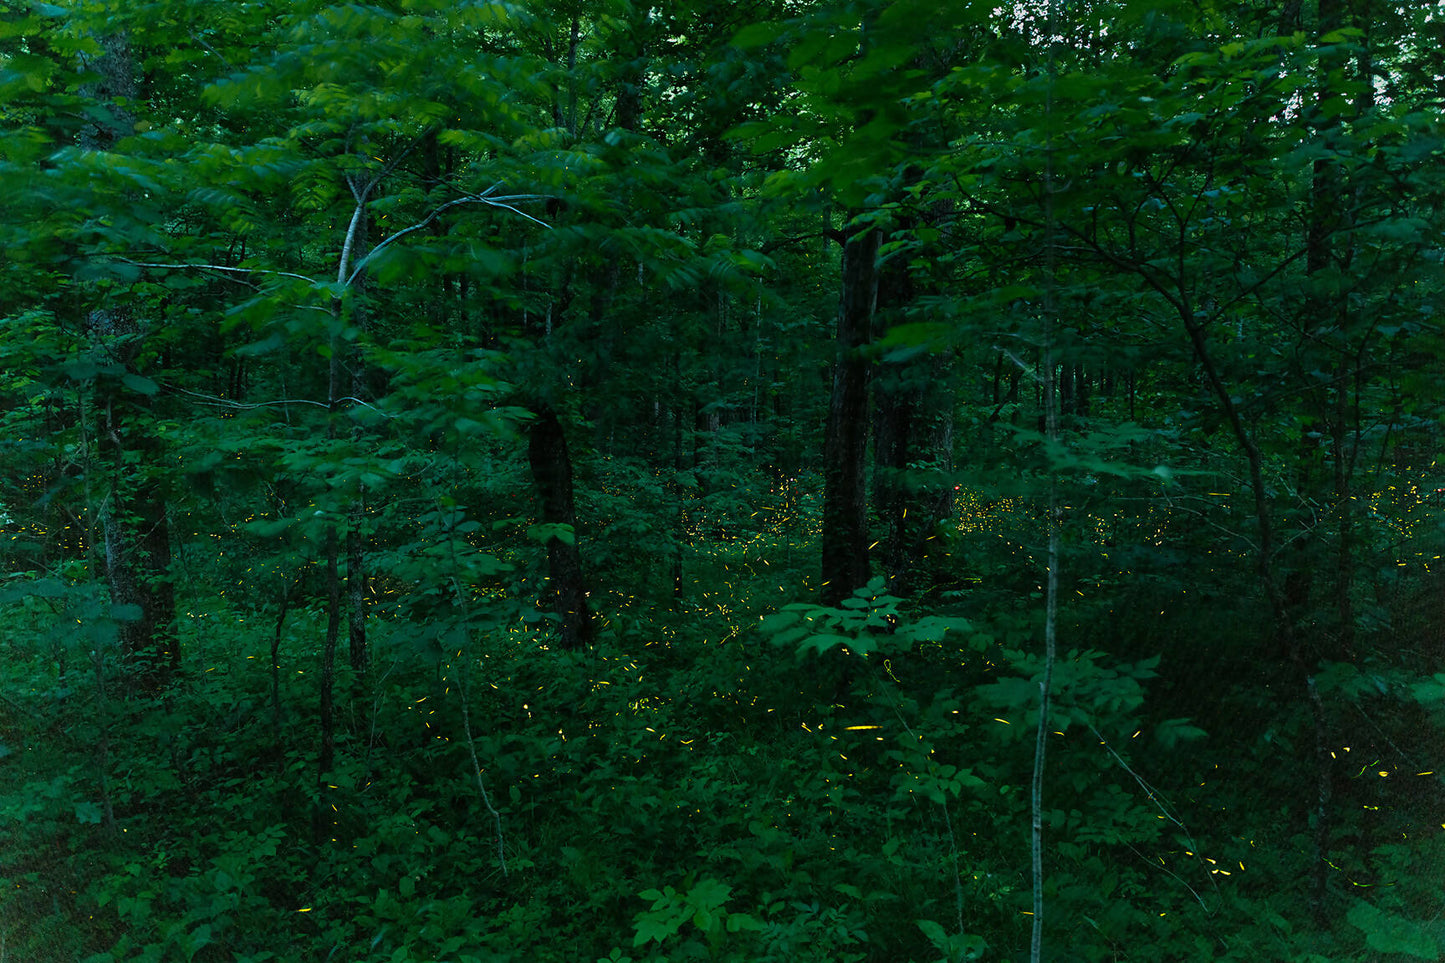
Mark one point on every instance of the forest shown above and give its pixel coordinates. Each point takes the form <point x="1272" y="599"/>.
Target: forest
<point x="734" y="480"/>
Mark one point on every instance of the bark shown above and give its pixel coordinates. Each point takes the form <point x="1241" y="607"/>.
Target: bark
<point x="896" y="409"/>
<point x="1329" y="219"/>
<point x="898" y="394"/>
<point x="680" y="536"/>
<point x="356" y="580"/>
<point x="326" y="757"/>
<point x="135" y="527"/>
<point x="552" y="469"/>
<point x="136" y="533"/>
<point x="845" y="517"/>
<point x="356" y="572"/>
<point x="112" y="89"/>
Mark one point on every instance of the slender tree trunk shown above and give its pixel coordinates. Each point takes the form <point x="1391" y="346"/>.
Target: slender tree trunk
<point x="680" y="538"/>
<point x="552" y="470"/>
<point x="1286" y="634"/>
<point x="356" y="581"/>
<point x="288" y="594"/>
<point x="356" y="573"/>
<point x="326" y="757"/>
<point x="845" y="510"/>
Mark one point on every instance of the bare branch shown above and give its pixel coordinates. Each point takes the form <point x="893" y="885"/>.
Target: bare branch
<point x="218" y="402"/>
<point x="217" y="267"/>
<point x="485" y="197"/>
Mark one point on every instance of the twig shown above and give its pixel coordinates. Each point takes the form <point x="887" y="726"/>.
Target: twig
<point x="477" y="769"/>
<point x="1175" y="506"/>
<point x="1164" y="810"/>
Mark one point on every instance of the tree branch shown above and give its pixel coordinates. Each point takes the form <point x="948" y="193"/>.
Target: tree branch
<point x="219" y="402"/>
<point x="216" y="267"/>
<point x="485" y="197"/>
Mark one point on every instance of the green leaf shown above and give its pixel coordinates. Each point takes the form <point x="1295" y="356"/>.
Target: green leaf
<point x="825" y="641"/>
<point x="757" y="35"/>
<point x="1430" y="691"/>
<point x="742" y="921"/>
<point x="934" y="932"/>
<point x="547" y="531"/>
<point x="1171" y="732"/>
<point x="650" y="929"/>
<point x="139" y="384"/>
<point x="87" y="812"/>
<point x="46" y="588"/>
<point x="709" y="892"/>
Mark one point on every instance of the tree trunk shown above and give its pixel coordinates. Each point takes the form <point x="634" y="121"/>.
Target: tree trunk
<point x="356" y="575"/>
<point x="356" y="588"/>
<point x="134" y="524"/>
<point x="552" y="470"/>
<point x="135" y="528"/>
<point x="137" y="558"/>
<point x="845" y="516"/>
<point x="895" y="410"/>
<point x="326" y="756"/>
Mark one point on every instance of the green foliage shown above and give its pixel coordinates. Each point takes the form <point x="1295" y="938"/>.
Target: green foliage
<point x="702" y="906"/>
<point x="955" y="947"/>
<point x="282" y="288"/>
<point x="868" y="622"/>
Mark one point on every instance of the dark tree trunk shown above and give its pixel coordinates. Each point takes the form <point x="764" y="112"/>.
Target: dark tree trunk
<point x="680" y="536"/>
<point x="845" y="515"/>
<point x="113" y="89"/>
<point x="356" y="589"/>
<point x="898" y="395"/>
<point x="134" y="524"/>
<point x="1081" y="389"/>
<point x="326" y="756"/>
<point x="356" y="574"/>
<point x="135" y="527"/>
<point x="137" y="559"/>
<point x="895" y="411"/>
<point x="552" y="470"/>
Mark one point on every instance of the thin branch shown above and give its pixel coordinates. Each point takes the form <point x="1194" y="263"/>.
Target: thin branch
<point x="485" y="197"/>
<point x="1182" y="881"/>
<point x="219" y="402"/>
<point x="1157" y="799"/>
<point x="1174" y="505"/>
<point x="216" y="267"/>
<point x="465" y="657"/>
<point x="212" y="50"/>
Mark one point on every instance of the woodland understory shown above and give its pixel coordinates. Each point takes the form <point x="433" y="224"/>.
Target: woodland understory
<point x="825" y="480"/>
